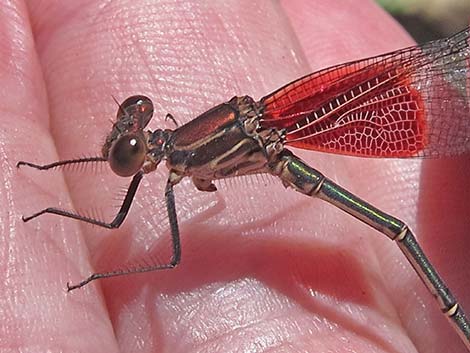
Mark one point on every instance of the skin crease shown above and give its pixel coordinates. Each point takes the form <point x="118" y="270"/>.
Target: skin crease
<point x="263" y="269"/>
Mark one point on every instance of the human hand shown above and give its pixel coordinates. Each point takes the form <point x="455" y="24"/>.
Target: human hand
<point x="263" y="268"/>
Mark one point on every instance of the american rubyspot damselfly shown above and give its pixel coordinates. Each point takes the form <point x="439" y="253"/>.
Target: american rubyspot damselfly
<point x="413" y="102"/>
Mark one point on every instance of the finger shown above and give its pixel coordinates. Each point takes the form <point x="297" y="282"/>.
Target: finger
<point x="49" y="253"/>
<point x="348" y="38"/>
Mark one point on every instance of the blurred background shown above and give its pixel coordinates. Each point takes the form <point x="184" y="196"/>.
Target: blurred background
<point x="429" y="19"/>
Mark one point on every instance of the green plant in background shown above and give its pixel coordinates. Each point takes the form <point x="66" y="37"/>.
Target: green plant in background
<point x="429" y="19"/>
<point x="394" y="7"/>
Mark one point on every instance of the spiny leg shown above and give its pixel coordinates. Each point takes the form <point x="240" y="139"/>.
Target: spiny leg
<point x="176" y="247"/>
<point x="61" y="163"/>
<point x="115" y="223"/>
<point x="118" y="219"/>
<point x="305" y="179"/>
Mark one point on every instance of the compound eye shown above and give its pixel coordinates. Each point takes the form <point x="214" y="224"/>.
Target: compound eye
<point x="127" y="155"/>
<point x="138" y="107"/>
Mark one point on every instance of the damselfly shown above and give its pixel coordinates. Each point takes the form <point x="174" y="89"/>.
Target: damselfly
<point x="413" y="102"/>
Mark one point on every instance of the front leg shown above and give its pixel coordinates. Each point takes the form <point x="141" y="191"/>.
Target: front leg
<point x="120" y="216"/>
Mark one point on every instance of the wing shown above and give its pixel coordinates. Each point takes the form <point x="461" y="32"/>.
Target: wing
<point x="410" y="102"/>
